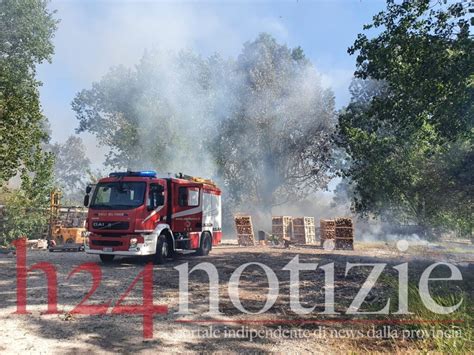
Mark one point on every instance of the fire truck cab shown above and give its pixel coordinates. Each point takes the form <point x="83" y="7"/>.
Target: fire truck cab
<point x="141" y="214"/>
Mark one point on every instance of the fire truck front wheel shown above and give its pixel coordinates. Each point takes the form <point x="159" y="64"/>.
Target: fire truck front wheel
<point x="206" y="245"/>
<point x="162" y="250"/>
<point x="106" y="258"/>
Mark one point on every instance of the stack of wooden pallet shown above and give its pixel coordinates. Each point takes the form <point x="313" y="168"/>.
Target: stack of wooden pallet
<point x="344" y="234"/>
<point x="303" y="231"/>
<point x="243" y="226"/>
<point x="282" y="227"/>
<point x="327" y="230"/>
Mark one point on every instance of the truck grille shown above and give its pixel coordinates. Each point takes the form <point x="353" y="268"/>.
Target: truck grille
<point x="110" y="225"/>
<point x="107" y="243"/>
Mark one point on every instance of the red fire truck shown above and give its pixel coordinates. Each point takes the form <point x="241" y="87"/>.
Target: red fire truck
<point x="141" y="214"/>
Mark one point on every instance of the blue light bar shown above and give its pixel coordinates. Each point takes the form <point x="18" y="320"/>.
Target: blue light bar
<point x="145" y="173"/>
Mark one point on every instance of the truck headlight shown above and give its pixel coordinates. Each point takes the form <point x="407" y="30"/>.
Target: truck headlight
<point x="133" y="242"/>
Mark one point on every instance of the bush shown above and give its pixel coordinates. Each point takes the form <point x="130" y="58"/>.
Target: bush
<point x="23" y="217"/>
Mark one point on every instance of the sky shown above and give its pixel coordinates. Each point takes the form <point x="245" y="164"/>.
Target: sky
<point x="93" y="36"/>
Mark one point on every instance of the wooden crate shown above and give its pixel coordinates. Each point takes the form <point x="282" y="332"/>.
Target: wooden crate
<point x="327" y="230"/>
<point x="282" y="227"/>
<point x="244" y="229"/>
<point x="344" y="233"/>
<point x="303" y="230"/>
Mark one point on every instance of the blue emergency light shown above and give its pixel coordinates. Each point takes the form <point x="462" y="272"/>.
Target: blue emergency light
<point x="145" y="173"/>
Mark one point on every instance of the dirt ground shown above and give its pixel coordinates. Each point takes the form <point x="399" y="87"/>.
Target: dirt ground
<point x="65" y="333"/>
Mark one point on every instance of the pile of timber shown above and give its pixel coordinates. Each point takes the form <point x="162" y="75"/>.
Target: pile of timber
<point x="303" y="230"/>
<point x="344" y="233"/>
<point x="243" y="226"/>
<point x="37" y="244"/>
<point x="282" y="227"/>
<point x="327" y="230"/>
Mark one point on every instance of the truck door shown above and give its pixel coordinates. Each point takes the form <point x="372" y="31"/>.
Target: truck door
<point x="155" y="207"/>
<point x="187" y="214"/>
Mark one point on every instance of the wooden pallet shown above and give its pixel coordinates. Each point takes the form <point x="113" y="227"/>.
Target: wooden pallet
<point x="282" y="227"/>
<point x="243" y="226"/>
<point x="344" y="233"/>
<point x="303" y="230"/>
<point x="327" y="230"/>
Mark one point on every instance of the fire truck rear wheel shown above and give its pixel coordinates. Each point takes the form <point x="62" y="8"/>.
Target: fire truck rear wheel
<point x="206" y="245"/>
<point x="106" y="258"/>
<point x="162" y="250"/>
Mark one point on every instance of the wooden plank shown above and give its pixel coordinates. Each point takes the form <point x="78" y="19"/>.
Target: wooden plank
<point x="244" y="228"/>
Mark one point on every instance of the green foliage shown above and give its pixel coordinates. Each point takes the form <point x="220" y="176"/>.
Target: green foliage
<point x="408" y="129"/>
<point x="26" y="209"/>
<point x="425" y="54"/>
<point x="26" y="30"/>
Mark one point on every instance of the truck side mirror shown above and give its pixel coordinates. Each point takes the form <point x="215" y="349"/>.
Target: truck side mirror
<point x="86" y="200"/>
<point x="88" y="189"/>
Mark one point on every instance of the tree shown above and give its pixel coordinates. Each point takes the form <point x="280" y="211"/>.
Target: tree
<point x="273" y="147"/>
<point x="26" y="209"/>
<point x="399" y="138"/>
<point x="26" y="31"/>
<point x="157" y="115"/>
<point x="259" y="124"/>
<point x="71" y="168"/>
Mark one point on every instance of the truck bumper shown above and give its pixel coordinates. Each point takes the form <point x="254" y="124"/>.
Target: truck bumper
<point x="140" y="250"/>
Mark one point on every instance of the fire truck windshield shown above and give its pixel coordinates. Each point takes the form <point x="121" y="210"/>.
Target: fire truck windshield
<point x="118" y="195"/>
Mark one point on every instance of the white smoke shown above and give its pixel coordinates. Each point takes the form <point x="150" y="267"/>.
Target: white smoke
<point x="88" y="44"/>
<point x="94" y="36"/>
